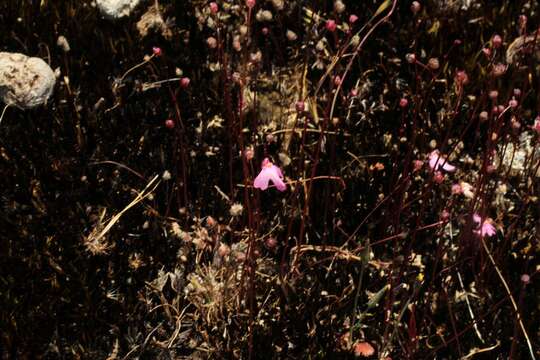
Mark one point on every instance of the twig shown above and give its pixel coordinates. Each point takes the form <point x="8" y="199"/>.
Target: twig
<point x="514" y="305"/>
<point x="4" y="111"/>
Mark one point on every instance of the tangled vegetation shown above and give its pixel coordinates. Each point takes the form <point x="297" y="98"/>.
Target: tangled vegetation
<point x="399" y="141"/>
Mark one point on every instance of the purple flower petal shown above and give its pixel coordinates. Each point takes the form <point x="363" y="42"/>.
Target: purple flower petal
<point x="269" y="172"/>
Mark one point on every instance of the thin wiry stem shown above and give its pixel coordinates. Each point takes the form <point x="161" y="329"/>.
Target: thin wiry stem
<point x="514" y="305"/>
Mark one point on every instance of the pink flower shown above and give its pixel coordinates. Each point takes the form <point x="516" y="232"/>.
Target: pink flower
<point x="484" y="227"/>
<point x="436" y="162"/>
<point x="331" y="25"/>
<point x="269" y="172"/>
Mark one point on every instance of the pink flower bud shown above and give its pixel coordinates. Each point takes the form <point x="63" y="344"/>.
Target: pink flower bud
<point x="513" y="103"/>
<point x="445" y="215"/>
<point x="403" y="103"/>
<point x="169" y="123"/>
<point x="536" y="125"/>
<point x="354" y="92"/>
<point x="300" y="106"/>
<point x="265" y="31"/>
<point x="337" y="80"/>
<point x="214" y="7"/>
<point x="415" y="7"/>
<point x="418" y="164"/>
<point x="353" y="18"/>
<point x="438" y="177"/>
<point x="493" y="94"/>
<point x="270" y="242"/>
<point x="517" y="92"/>
<point x="331" y="25"/>
<point x="184" y="82"/>
<point x="211" y="42"/>
<point x="496" y="41"/>
<point x="525" y="279"/>
<point x="487" y="52"/>
<point x="251" y="3"/>
<point x="462" y="78"/>
<point x="157" y="51"/>
<point x="411" y="58"/>
<point x="522" y="21"/>
<point x="456" y="189"/>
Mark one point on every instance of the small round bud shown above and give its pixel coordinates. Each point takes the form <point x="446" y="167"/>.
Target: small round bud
<point x="536" y="125"/>
<point x="517" y="92"/>
<point x="499" y="69"/>
<point x="496" y="40"/>
<point x="411" y="58"/>
<point x="337" y="80"/>
<point x="210" y="222"/>
<point x="438" y="177"/>
<point x="224" y="250"/>
<point x="522" y="21"/>
<point x="433" y="63"/>
<point x="270" y="242"/>
<point x="353" y="18"/>
<point x="184" y="82"/>
<point x="415" y="7"/>
<point x="291" y="35"/>
<point x="330" y="25"/>
<point x="483" y="116"/>
<point x="487" y="52"/>
<point x="403" y="103"/>
<point x="500" y="108"/>
<point x="249" y="154"/>
<point x="251" y="3"/>
<point x="525" y="279"/>
<point x="493" y="94"/>
<point x="445" y="215"/>
<point x="265" y="31"/>
<point x="354" y="92"/>
<point x="418" y="164"/>
<point x="513" y="103"/>
<point x="339" y="6"/>
<point x="169" y="123"/>
<point x="156" y="51"/>
<point x="457" y="189"/>
<point x="270" y="138"/>
<point x="214" y="7"/>
<point x="211" y="42"/>
<point x="300" y="106"/>
<point x="462" y="78"/>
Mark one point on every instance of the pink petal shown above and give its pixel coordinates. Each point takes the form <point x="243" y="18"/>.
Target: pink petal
<point x="433" y="158"/>
<point x="488" y="229"/>
<point x="272" y="173"/>
<point x="261" y="181"/>
<point x="448" y="167"/>
<point x="275" y="177"/>
<point x="477" y="219"/>
<point x="278" y="170"/>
